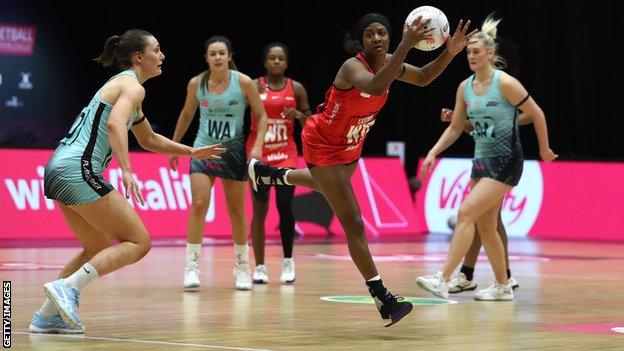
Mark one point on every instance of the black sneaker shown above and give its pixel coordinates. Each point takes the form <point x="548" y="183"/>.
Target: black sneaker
<point x="263" y="174"/>
<point x="392" y="307"/>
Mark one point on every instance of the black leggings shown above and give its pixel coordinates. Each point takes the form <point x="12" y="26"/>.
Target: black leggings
<point x="283" y="199"/>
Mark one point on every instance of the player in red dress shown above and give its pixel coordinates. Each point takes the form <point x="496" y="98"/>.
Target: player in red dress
<point x="333" y="138"/>
<point x="285" y="101"/>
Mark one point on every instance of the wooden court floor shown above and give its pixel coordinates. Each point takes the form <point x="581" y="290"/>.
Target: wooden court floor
<point x="571" y="297"/>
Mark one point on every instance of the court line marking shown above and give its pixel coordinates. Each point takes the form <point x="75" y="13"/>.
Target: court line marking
<point x="414" y="300"/>
<point x="559" y="276"/>
<point x="81" y="337"/>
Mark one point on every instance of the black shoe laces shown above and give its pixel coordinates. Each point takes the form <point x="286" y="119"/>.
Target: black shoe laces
<point x="397" y="298"/>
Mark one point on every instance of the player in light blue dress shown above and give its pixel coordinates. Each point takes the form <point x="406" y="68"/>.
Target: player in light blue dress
<point x="221" y="93"/>
<point x="73" y="177"/>
<point x="489" y="100"/>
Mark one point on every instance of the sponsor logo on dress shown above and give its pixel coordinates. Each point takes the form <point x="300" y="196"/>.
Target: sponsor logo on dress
<point x="278" y="156"/>
<point x="330" y="118"/>
<point x="357" y="132"/>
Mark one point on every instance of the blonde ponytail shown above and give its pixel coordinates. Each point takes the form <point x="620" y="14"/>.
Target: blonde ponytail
<point x="489" y="30"/>
<point x="490" y="26"/>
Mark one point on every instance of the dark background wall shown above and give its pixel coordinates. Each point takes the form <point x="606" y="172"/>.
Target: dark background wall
<point x="569" y="61"/>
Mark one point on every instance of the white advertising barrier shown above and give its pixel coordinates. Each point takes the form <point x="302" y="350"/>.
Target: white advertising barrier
<point x="449" y="184"/>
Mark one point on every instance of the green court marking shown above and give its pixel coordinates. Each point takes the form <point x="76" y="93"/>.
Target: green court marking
<point x="369" y="300"/>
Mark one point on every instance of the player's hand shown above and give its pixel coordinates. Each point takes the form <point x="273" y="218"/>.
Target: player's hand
<point x="416" y="31"/>
<point x="427" y="165"/>
<point x="290" y="112"/>
<point x="131" y="187"/>
<point x="548" y="155"/>
<point x="173" y="162"/>
<point x="446" y="115"/>
<point x="211" y="152"/>
<point x="459" y="40"/>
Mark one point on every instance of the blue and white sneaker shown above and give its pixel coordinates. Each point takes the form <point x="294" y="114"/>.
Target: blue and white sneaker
<point x="52" y="325"/>
<point x="66" y="301"/>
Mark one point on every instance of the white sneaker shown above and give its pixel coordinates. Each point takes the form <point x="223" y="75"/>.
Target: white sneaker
<point x="288" y="271"/>
<point x="513" y="283"/>
<point x="260" y="275"/>
<point x="191" y="275"/>
<point x="241" y="274"/>
<point x="495" y="292"/>
<point x="461" y="283"/>
<point x="434" y="284"/>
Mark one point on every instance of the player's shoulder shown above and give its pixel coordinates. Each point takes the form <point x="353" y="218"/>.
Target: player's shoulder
<point x="243" y="78"/>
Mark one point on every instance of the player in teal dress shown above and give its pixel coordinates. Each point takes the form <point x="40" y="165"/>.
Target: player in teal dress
<point x="73" y="177"/>
<point x="489" y="100"/>
<point x="222" y="94"/>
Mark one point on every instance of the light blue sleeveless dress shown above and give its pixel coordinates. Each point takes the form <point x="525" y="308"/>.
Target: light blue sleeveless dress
<point x="498" y="152"/>
<point x="73" y="175"/>
<point x="221" y="120"/>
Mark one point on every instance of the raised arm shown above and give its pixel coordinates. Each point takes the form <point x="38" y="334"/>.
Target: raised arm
<point x="354" y="74"/>
<point x="516" y="94"/>
<point x="425" y="75"/>
<point x="250" y="90"/>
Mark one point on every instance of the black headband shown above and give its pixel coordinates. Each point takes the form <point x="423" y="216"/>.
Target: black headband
<point x="367" y="20"/>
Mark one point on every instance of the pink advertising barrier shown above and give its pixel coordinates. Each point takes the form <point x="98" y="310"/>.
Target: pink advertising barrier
<point x="559" y="200"/>
<point x="379" y="183"/>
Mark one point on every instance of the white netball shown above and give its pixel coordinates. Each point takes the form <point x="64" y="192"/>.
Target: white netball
<point x="438" y="36"/>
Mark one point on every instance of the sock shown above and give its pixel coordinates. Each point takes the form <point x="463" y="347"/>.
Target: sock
<point x="377" y="277"/>
<point x="285" y="178"/>
<point x="375" y="286"/>
<point x="242" y="253"/>
<point x="83" y="276"/>
<point x="192" y="252"/>
<point x="48" y="309"/>
<point x="508" y="273"/>
<point x="468" y="271"/>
